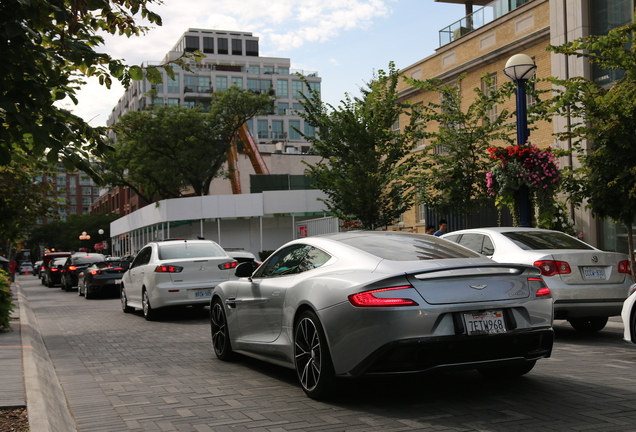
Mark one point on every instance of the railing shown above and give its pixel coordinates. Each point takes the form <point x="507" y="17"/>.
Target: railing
<point x="197" y="89"/>
<point x="277" y="135"/>
<point x="478" y="19"/>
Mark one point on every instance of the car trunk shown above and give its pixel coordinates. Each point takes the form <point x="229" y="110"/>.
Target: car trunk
<point x="199" y="271"/>
<point x="469" y="285"/>
<point x="589" y="267"/>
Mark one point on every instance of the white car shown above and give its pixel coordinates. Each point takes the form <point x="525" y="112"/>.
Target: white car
<point x="174" y="273"/>
<point x="629" y="316"/>
<point x="588" y="284"/>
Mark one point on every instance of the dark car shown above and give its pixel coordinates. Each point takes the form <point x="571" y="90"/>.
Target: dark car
<point x="52" y="274"/>
<point x="102" y="277"/>
<point x="45" y="264"/>
<point x="75" y="264"/>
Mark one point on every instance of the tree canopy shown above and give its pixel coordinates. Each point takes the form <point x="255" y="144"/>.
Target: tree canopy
<point x="165" y="150"/>
<point x="603" y="126"/>
<point x="47" y="48"/>
<point x="365" y="157"/>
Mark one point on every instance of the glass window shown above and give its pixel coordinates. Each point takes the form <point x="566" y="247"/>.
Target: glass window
<point x="158" y="87"/>
<point x="251" y="48"/>
<point x="404" y="247"/>
<point x="255" y="69"/>
<point x="86" y="200"/>
<point x="488" y="87"/>
<point x="309" y="131"/>
<point x="263" y="129"/>
<point x="72" y="190"/>
<point x="86" y="180"/>
<point x="530" y="240"/>
<point x="191" y="43"/>
<point x="86" y="191"/>
<point x="282" y="88"/>
<point x="157" y="101"/>
<point x="208" y="45"/>
<point x="294" y="129"/>
<point x="283" y="70"/>
<point x="223" y="45"/>
<point x="297" y="89"/>
<point x="173" y="84"/>
<point x="61" y="180"/>
<point x="189" y="104"/>
<point x="237" y="82"/>
<point x="73" y="200"/>
<point x="95" y="191"/>
<point x="190" y="250"/>
<point x="315" y="86"/>
<point x="292" y="260"/>
<point x="237" y="47"/>
<point x="269" y="70"/>
<point x="142" y="258"/>
<point x="221" y="83"/>
<point x="282" y="108"/>
<point x="173" y="101"/>
<point x="277" y="129"/>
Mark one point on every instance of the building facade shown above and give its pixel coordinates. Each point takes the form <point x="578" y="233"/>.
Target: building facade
<point x="74" y="192"/>
<point x="479" y="43"/>
<point x="231" y="59"/>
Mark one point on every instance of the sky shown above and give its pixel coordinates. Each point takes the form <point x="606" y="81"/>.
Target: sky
<point x="345" y="41"/>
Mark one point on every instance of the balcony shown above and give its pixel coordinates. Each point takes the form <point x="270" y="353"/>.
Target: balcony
<point x="477" y="19"/>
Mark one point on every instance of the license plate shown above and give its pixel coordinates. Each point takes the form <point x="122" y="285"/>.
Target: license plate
<point x="593" y="273"/>
<point x="117" y="281"/>
<point x="203" y="293"/>
<point x="485" y="322"/>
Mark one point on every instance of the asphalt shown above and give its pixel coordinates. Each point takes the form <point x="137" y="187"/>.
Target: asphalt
<point x="28" y="378"/>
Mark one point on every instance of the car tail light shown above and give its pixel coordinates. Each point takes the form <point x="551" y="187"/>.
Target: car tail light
<point x="228" y="265"/>
<point x="95" y="272"/>
<point x="541" y="288"/>
<point x="368" y="298"/>
<point x="551" y="268"/>
<point x="72" y="267"/>
<point x="168" y="269"/>
<point x="623" y="267"/>
<point x="53" y="269"/>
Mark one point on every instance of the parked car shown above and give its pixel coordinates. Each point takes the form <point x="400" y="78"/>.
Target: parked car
<point x="628" y="314"/>
<point x="588" y="284"/>
<point x="241" y="255"/>
<point x="26" y="268"/>
<point x="174" y="273"/>
<point x="102" y="277"/>
<point x="75" y="264"/>
<point x="37" y="268"/>
<point x="45" y="264"/>
<point x="382" y="302"/>
<point x="53" y="272"/>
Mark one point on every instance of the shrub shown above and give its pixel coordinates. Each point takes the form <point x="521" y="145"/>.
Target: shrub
<point x="6" y="301"/>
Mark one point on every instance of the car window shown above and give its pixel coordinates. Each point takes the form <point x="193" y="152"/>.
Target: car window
<point x="533" y="240"/>
<point x="405" y="247"/>
<point x="190" y="250"/>
<point x="88" y="259"/>
<point x="473" y="242"/>
<point x="143" y="257"/>
<point x="488" y="248"/>
<point x="285" y="262"/>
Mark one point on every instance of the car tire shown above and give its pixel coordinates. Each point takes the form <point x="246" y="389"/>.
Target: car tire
<point x="124" y="302"/>
<point x="632" y="324"/>
<point x="79" y="290"/>
<point x="220" y="332"/>
<point x="149" y="313"/>
<point x="312" y="359"/>
<point x="588" y="324"/>
<point x="510" y="371"/>
<point x="87" y="294"/>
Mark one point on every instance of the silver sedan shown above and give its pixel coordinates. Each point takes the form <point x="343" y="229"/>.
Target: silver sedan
<point x="382" y="302"/>
<point x="589" y="285"/>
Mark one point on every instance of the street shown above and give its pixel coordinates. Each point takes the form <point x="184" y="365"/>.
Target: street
<point x="120" y="372"/>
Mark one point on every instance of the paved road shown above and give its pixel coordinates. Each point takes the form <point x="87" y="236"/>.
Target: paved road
<point x="119" y="372"/>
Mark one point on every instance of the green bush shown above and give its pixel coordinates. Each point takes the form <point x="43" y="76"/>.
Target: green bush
<point x="6" y="301"/>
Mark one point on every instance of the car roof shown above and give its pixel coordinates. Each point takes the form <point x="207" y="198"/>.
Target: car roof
<point x="499" y="230"/>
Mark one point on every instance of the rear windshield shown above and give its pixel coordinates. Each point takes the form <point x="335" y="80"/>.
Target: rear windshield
<point x="190" y="250"/>
<point x="530" y="240"/>
<point x="408" y="247"/>
<point x="87" y="259"/>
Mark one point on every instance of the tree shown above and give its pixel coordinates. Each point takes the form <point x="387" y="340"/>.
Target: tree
<point x="455" y="160"/>
<point x="22" y="201"/>
<point x="47" y="47"/>
<point x="162" y="151"/>
<point x="607" y="121"/>
<point x="365" y="159"/>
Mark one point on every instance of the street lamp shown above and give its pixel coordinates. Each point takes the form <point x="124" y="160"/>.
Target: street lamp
<point x="84" y="238"/>
<point x="520" y="68"/>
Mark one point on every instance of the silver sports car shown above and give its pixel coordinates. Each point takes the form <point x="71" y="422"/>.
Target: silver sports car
<point x="382" y="302"/>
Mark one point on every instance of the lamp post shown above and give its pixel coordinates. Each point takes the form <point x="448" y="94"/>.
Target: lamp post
<point x="84" y="238"/>
<point x="520" y="68"/>
<point x="101" y="239"/>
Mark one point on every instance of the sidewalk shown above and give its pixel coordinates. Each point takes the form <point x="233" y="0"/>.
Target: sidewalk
<point x="28" y="375"/>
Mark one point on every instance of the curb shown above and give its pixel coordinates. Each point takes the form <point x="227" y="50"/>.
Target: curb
<point x="47" y="406"/>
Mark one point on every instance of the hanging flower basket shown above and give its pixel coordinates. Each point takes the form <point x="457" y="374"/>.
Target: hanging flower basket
<point x="519" y="167"/>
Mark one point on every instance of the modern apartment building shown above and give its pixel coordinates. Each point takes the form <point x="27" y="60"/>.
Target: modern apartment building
<point x="231" y="59"/>
<point x="479" y="42"/>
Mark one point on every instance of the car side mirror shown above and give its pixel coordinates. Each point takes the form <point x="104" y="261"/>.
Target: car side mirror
<point x="245" y="269"/>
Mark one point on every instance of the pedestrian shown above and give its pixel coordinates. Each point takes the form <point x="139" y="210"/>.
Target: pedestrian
<point x="443" y="227"/>
<point x="430" y="229"/>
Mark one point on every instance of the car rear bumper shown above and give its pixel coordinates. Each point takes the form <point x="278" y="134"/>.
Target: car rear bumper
<point x="565" y="309"/>
<point x="457" y="352"/>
